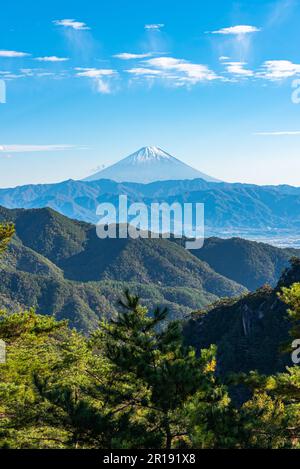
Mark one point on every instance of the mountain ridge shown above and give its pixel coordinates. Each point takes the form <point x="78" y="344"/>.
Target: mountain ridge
<point x="59" y="266"/>
<point x="228" y="206"/>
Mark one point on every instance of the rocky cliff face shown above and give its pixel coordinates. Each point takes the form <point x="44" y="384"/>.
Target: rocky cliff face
<point x="249" y="331"/>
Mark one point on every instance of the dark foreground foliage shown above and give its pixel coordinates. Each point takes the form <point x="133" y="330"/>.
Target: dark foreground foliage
<point x="135" y="384"/>
<point x="132" y="385"/>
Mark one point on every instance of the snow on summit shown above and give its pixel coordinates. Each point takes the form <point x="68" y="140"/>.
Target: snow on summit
<point x="148" y="154"/>
<point x="149" y="164"/>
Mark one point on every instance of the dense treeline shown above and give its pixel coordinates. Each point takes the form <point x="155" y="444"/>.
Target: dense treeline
<point x="134" y="384"/>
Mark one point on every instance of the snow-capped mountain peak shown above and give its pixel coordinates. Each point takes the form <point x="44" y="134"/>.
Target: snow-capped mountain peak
<point x="149" y="164"/>
<point x="148" y="154"/>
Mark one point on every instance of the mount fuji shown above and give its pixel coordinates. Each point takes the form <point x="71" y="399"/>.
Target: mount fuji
<point x="147" y="165"/>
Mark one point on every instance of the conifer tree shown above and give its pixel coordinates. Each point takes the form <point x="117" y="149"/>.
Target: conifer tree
<point x="155" y="375"/>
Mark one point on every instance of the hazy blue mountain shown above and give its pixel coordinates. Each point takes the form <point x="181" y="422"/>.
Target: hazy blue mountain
<point x="231" y="207"/>
<point x="149" y="164"/>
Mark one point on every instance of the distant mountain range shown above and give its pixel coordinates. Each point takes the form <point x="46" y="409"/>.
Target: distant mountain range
<point x="147" y="165"/>
<point x="62" y="268"/>
<point x="228" y="207"/>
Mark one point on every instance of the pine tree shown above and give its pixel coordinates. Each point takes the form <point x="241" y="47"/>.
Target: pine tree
<point x="291" y="296"/>
<point x="154" y="374"/>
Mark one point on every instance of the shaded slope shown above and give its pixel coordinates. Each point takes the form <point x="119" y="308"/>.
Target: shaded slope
<point x="249" y="332"/>
<point x="249" y="263"/>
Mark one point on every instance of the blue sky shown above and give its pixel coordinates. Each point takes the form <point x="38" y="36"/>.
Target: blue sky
<point x="90" y="82"/>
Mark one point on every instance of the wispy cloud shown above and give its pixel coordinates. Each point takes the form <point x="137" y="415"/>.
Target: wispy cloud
<point x="237" y="30"/>
<point x="82" y="46"/>
<point x="235" y="41"/>
<point x="35" y="148"/>
<point x="181" y="72"/>
<point x="71" y="23"/>
<point x="130" y="56"/>
<point x="95" y="72"/>
<point x="13" y="54"/>
<point x="280" y="12"/>
<point x="142" y="71"/>
<point x="52" y="58"/>
<point x="33" y="73"/>
<point x="155" y="26"/>
<point x="8" y="75"/>
<point x="101" y="78"/>
<point x="279" y="133"/>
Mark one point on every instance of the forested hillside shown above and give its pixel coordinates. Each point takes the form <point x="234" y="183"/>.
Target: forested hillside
<point x="249" y="263"/>
<point x="60" y="267"/>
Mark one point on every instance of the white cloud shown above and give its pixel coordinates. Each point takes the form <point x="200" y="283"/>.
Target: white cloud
<point x="237" y="30"/>
<point x="184" y="71"/>
<point x="12" y="76"/>
<point x="223" y="58"/>
<point x="8" y="75"/>
<point x="52" y="58"/>
<point x="103" y="87"/>
<point x="279" y="69"/>
<point x="129" y="56"/>
<point x="237" y="68"/>
<point x="13" y="53"/>
<point x="34" y="148"/>
<point x="101" y="78"/>
<point x="47" y="74"/>
<point x="28" y="71"/>
<point x="71" y="23"/>
<point x="33" y="73"/>
<point x="144" y="71"/>
<point x="280" y="133"/>
<point x="95" y="72"/>
<point x="155" y="26"/>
